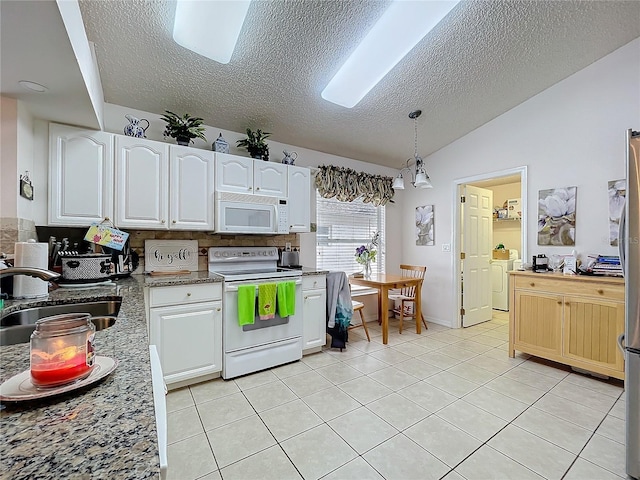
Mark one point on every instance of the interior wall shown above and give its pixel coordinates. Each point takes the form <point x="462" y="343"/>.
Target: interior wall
<point x="8" y="156"/>
<point x="509" y="232"/>
<point x="24" y="159"/>
<point x="572" y="134"/>
<point x="115" y="121"/>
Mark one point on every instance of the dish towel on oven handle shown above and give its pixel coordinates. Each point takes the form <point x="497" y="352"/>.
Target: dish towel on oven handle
<point x="266" y="301"/>
<point x="286" y="299"/>
<point x="246" y="304"/>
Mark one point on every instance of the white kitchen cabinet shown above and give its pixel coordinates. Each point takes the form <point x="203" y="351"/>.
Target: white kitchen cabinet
<point x="234" y="173"/>
<point x="191" y="179"/>
<point x="80" y="176"/>
<point x="270" y="179"/>
<point x="299" y="199"/>
<point x="187" y="331"/>
<point x="142" y="184"/>
<point x="314" y="297"/>
<point x="245" y="175"/>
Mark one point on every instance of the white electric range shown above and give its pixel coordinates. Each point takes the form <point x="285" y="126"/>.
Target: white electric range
<point x="265" y="343"/>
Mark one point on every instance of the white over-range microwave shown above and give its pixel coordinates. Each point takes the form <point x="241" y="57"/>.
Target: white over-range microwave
<point x="242" y="213"/>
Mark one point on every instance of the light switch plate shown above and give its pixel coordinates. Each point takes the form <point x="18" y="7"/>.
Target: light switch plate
<point x="446" y="247"/>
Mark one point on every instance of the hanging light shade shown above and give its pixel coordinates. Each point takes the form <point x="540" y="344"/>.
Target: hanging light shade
<point x="419" y="176"/>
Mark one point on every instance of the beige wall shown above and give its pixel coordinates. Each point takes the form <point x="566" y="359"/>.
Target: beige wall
<point x="508" y="233"/>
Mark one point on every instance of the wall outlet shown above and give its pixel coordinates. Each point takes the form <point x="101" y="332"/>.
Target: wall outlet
<point x="446" y="247"/>
<point x="287" y="247"/>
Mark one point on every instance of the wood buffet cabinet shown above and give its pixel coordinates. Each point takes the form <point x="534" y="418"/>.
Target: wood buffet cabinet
<point x="569" y="319"/>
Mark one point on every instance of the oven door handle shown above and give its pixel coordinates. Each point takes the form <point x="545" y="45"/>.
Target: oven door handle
<point x="232" y="288"/>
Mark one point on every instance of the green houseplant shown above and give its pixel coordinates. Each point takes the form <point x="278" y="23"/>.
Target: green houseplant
<point x="184" y="128"/>
<point x="255" y="144"/>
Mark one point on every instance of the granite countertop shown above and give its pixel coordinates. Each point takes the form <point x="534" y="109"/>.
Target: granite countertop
<point x="313" y="271"/>
<point x="106" y="430"/>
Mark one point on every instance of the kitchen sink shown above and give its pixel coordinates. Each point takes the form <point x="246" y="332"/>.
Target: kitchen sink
<point x="16" y="327"/>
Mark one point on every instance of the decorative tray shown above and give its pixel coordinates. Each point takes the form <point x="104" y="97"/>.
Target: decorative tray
<point x="19" y="387"/>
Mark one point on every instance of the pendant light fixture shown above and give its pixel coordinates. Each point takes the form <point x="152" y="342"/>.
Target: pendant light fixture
<point x="419" y="179"/>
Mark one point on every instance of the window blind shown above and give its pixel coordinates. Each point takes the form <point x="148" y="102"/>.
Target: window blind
<point x="344" y="226"/>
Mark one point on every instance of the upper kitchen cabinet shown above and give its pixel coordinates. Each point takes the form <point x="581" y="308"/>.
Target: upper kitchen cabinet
<point x="142" y="168"/>
<point x="299" y="199"/>
<point x="246" y="175"/>
<point x="160" y="186"/>
<point x="80" y="176"/>
<point x="191" y="181"/>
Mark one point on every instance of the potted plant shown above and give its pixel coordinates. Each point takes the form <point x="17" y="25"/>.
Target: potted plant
<point x="184" y="128"/>
<point x="255" y="144"/>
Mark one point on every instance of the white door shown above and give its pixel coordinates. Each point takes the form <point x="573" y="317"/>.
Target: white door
<point x="314" y="331"/>
<point x="270" y="179"/>
<point x="477" y="238"/>
<point x="188" y="338"/>
<point x="233" y="173"/>
<point x="142" y="185"/>
<point x="80" y="176"/>
<point x="191" y="185"/>
<point x="299" y="199"/>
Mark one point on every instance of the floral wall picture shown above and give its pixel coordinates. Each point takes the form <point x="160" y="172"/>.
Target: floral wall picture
<point x="617" y="196"/>
<point x="557" y="216"/>
<point x="424" y="225"/>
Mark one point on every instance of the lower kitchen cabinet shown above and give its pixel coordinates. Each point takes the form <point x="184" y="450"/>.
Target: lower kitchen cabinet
<point x="574" y="320"/>
<point x="314" y="295"/>
<point x="185" y="324"/>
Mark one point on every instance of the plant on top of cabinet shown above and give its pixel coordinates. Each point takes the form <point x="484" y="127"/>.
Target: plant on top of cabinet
<point x="184" y="128"/>
<point x="255" y="144"/>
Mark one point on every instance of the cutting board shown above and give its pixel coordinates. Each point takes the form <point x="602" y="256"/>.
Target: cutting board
<point x="170" y="255"/>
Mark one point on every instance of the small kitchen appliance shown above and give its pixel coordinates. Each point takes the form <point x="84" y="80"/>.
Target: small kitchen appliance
<point x="243" y="213"/>
<point x="263" y="343"/>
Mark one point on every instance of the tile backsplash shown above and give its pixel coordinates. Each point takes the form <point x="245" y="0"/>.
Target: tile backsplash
<point x="206" y="240"/>
<point x="15" y="230"/>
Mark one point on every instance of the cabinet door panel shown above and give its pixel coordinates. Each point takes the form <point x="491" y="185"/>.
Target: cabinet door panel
<point x="80" y="176"/>
<point x="538" y="321"/>
<point x="141" y="183"/>
<point x="591" y="329"/>
<point x="299" y="199"/>
<point x="313" y="314"/>
<point x="270" y="179"/>
<point x="191" y="174"/>
<point x="233" y="173"/>
<point x="189" y="339"/>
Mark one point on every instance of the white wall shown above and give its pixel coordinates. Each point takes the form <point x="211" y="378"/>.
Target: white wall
<point x="572" y="134"/>
<point x="8" y="154"/>
<point x="24" y="161"/>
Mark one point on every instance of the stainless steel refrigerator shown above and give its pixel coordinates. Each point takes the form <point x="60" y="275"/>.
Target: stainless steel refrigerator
<point x="629" y="244"/>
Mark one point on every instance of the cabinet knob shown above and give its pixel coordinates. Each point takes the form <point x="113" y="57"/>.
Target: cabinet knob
<point x="257" y="188"/>
<point x="559" y="302"/>
<point x="218" y="309"/>
<point x="248" y="188"/>
<point x="162" y="222"/>
<point x="532" y="284"/>
<point x="173" y="221"/>
<point x="188" y="294"/>
<point x="306" y="298"/>
<point x="600" y="291"/>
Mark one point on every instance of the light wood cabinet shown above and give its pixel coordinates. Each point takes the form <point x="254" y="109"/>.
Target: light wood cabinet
<point x="80" y="176"/>
<point x="573" y="320"/>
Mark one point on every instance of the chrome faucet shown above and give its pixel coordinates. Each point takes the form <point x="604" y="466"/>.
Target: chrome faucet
<point x="40" y="273"/>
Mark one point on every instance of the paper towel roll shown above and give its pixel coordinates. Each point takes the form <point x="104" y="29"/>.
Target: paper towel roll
<point x="30" y="254"/>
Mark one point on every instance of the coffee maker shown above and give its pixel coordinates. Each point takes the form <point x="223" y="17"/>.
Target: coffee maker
<point x="540" y="263"/>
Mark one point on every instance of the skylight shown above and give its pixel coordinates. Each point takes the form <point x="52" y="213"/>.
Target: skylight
<point x="399" y="29"/>
<point x="210" y="28"/>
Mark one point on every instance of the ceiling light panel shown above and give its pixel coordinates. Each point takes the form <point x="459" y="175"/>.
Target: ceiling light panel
<point x="399" y="29"/>
<point x="210" y="27"/>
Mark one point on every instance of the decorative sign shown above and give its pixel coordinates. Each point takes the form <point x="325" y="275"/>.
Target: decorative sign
<point x="106" y="235"/>
<point x="170" y="255"/>
<point x="26" y="187"/>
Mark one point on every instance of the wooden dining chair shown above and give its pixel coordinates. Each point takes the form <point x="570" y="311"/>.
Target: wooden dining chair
<point x="407" y="295"/>
<point x="358" y="307"/>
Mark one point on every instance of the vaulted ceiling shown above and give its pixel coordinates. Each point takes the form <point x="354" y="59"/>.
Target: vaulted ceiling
<point x="485" y="58"/>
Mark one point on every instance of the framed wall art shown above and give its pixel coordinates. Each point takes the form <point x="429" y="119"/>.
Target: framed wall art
<point x="425" y="226"/>
<point x="557" y="216"/>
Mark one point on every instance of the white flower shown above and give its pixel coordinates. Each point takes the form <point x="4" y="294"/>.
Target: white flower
<point x="424" y="214"/>
<point x="559" y="203"/>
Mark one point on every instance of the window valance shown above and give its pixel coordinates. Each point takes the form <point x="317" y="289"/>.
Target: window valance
<point x="346" y="185"/>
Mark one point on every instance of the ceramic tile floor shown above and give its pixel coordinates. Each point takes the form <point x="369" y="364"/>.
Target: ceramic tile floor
<point x="445" y="404"/>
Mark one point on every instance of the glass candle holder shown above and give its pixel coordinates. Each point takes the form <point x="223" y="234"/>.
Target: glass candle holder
<point x="62" y="350"/>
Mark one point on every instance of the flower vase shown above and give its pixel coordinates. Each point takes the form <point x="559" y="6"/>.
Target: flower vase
<point x="367" y="269"/>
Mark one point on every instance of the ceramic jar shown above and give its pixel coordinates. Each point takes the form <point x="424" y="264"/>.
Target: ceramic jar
<point x="220" y="145"/>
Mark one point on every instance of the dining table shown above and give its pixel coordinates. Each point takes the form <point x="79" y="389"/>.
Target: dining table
<point x="383" y="282"/>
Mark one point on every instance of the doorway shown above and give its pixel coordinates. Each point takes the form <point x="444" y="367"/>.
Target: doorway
<point x="508" y="230"/>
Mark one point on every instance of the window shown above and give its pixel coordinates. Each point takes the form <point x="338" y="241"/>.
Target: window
<point x="343" y="227"/>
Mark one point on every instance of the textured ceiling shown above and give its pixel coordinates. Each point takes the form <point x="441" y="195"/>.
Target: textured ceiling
<point x="482" y="60"/>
